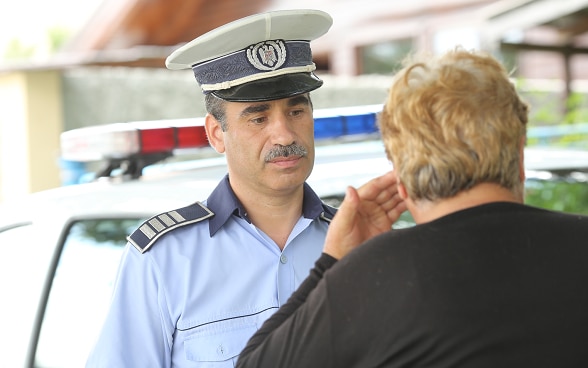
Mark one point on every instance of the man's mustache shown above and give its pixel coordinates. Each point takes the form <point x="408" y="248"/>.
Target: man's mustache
<point x="285" y="151"/>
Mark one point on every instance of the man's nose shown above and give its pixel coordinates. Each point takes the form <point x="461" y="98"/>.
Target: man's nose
<point x="283" y="132"/>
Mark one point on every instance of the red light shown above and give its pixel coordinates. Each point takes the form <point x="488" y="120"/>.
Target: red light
<point x="191" y="137"/>
<point x="157" y="140"/>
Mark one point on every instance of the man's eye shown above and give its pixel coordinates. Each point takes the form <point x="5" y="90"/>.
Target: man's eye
<point x="257" y="120"/>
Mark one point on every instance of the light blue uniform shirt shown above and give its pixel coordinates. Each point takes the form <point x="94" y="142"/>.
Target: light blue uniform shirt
<point x="195" y="296"/>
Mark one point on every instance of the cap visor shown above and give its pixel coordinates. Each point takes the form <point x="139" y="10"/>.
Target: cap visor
<point x="274" y="88"/>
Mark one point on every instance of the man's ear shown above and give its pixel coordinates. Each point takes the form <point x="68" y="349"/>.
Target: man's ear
<point x="214" y="133"/>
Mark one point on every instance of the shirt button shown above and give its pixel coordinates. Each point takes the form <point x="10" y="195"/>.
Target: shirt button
<point x="283" y="259"/>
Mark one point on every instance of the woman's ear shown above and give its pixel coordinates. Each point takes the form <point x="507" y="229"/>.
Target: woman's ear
<point x="214" y="133"/>
<point x="402" y="191"/>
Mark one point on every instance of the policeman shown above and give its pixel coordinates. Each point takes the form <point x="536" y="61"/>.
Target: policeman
<point x="196" y="282"/>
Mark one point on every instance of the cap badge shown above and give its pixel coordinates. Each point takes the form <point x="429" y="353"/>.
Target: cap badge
<point x="267" y="55"/>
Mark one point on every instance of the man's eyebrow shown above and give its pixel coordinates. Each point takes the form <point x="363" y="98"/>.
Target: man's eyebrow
<point x="294" y="101"/>
<point x="298" y="100"/>
<point x="252" y="109"/>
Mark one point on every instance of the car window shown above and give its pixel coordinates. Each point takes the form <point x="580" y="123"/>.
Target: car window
<point x="81" y="290"/>
<point x="22" y="272"/>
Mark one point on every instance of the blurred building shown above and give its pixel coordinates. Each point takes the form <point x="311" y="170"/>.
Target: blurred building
<point x="368" y="36"/>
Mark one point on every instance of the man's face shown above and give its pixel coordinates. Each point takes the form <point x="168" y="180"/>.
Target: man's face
<point x="269" y="145"/>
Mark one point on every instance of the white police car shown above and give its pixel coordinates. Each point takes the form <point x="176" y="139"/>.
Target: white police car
<point x="59" y="249"/>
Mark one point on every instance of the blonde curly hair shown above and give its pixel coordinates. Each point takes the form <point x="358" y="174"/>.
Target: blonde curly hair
<point x="451" y="122"/>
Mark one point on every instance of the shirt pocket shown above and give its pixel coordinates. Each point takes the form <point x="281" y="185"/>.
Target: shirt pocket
<point x="218" y="349"/>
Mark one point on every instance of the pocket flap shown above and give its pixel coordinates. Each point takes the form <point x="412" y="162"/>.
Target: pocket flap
<point x="218" y="346"/>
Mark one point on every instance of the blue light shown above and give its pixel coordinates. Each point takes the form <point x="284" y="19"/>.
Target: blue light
<point x="341" y="122"/>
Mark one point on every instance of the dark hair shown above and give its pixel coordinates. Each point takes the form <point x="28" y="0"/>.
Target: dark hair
<point x="216" y="107"/>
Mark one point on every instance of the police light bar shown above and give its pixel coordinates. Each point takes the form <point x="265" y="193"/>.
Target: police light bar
<point x="164" y="137"/>
<point x="346" y="121"/>
<point x="122" y="140"/>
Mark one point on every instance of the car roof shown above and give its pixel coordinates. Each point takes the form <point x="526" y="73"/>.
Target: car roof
<point x="558" y="160"/>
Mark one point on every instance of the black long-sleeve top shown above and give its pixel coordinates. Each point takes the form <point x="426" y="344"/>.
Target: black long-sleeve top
<point x="498" y="285"/>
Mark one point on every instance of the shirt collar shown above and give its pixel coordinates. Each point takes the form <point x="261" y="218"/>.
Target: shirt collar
<point x="223" y="203"/>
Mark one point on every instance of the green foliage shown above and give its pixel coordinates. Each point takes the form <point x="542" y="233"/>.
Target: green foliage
<point x="576" y="109"/>
<point x="16" y="50"/>
<point x="560" y="195"/>
<point x="548" y="107"/>
<point x="58" y="36"/>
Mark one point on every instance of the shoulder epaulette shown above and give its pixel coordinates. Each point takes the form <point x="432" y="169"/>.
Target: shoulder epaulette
<point x="151" y="230"/>
<point x="328" y="213"/>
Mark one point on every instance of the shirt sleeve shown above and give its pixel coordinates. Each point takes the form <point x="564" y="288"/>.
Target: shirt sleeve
<point x="273" y="346"/>
<point x="136" y="331"/>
